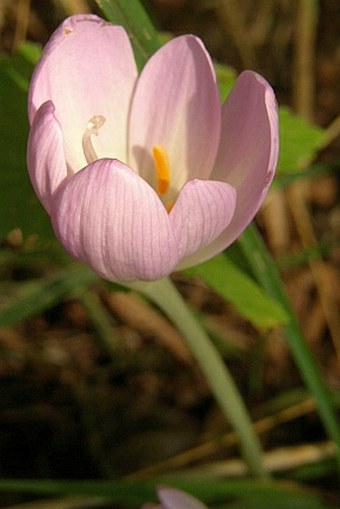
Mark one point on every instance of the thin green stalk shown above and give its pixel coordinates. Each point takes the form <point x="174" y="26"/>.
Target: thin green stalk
<point x="266" y="272"/>
<point x="101" y="322"/>
<point x="165" y="295"/>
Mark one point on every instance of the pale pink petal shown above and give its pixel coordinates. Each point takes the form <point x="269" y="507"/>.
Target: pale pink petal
<point x="247" y="155"/>
<point x="202" y="211"/>
<point x="87" y="69"/>
<point x="176" y="105"/>
<point x="110" y="218"/>
<point x="172" y="498"/>
<point x="45" y="154"/>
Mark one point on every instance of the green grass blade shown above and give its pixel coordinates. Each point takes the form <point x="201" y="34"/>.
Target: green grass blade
<point x="266" y="272"/>
<point x="133" y="17"/>
<point x="268" y="493"/>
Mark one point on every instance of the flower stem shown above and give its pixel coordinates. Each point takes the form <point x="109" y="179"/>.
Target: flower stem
<point x="165" y="295"/>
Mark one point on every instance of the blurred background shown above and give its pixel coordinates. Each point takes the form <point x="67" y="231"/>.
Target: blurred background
<point x="98" y="384"/>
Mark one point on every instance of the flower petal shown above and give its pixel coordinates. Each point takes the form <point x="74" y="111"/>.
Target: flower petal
<point x="45" y="154"/>
<point x="248" y="152"/>
<point x="172" y="498"/>
<point x="87" y="69"/>
<point x="202" y="211"/>
<point x="176" y="105"/>
<point x="110" y="218"/>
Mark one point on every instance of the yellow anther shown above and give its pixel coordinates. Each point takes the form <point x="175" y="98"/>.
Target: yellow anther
<point x="162" y="168"/>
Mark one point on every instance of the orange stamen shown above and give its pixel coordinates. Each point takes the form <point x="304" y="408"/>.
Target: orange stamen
<point x="162" y="167"/>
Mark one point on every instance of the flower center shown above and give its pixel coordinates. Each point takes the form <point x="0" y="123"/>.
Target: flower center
<point x="159" y="154"/>
<point x="93" y="126"/>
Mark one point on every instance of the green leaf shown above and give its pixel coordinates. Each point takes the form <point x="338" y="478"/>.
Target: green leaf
<point x="235" y="286"/>
<point x="34" y="297"/>
<point x="299" y="141"/>
<point x="226" y="77"/>
<point x="19" y="207"/>
<point x="133" y="17"/>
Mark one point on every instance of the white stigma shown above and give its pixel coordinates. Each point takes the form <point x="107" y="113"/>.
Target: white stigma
<point x="93" y="126"/>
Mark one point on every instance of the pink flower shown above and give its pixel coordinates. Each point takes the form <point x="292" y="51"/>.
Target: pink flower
<point x="172" y="498"/>
<point x="143" y="175"/>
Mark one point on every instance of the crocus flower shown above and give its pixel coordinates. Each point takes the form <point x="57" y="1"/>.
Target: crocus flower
<point x="172" y="498"/>
<point x="145" y="174"/>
